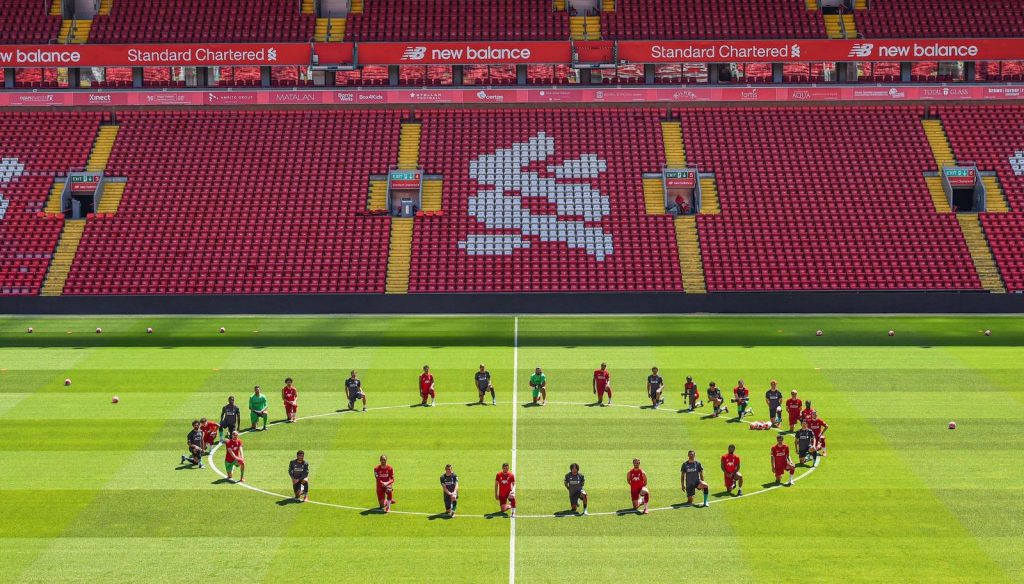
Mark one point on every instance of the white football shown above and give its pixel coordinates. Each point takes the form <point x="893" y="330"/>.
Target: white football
<point x="98" y="330"/>
<point x="221" y="329"/>
<point x="818" y="333"/>
<point x="115" y="399"/>
<point x="952" y="425"/>
<point x="149" y="330"/>
<point x="30" y="330"/>
<point x="988" y="333"/>
<point x="892" y="333"/>
<point x="67" y="382"/>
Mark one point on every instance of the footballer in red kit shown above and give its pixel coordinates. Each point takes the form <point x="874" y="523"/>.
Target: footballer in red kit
<point x="209" y="429"/>
<point x="818" y="426"/>
<point x="731" y="469"/>
<point x="602" y="384"/>
<point x="234" y="456"/>
<point x="805" y="416"/>
<point x="637" y="480"/>
<point x="505" y="490"/>
<point x="384" y="475"/>
<point x="290" y="397"/>
<point x="427" y="386"/>
<point x="780" y="460"/>
<point x="793" y="405"/>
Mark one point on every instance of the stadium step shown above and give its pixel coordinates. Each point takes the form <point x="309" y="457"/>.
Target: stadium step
<point x="111" y="199"/>
<point x="53" y="206"/>
<point x="101" y="148"/>
<point x="432" y="195"/>
<point x="690" y="263"/>
<point x="981" y="253"/>
<point x="559" y="5"/>
<point x="57" y="8"/>
<point x="607" y="5"/>
<point x="850" y="26"/>
<point x="409" y="146"/>
<point x="832" y="28"/>
<point x="654" y="196"/>
<point x="860" y="5"/>
<point x="74" y="32"/>
<point x="812" y="5"/>
<point x="378" y="195"/>
<point x="939" y="198"/>
<point x="308" y="6"/>
<point x="63" y="257"/>
<point x="709" y="196"/>
<point x="105" y="7"/>
<point x="584" y="28"/>
<point x="399" y="256"/>
<point x="937" y="139"/>
<point x="330" y="29"/>
<point x="356" y="7"/>
<point x="995" y="200"/>
<point x="675" y="152"/>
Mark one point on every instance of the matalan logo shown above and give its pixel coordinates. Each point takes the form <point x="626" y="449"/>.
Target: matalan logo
<point x="861" y="50"/>
<point x="414" y="53"/>
<point x="294" y="97"/>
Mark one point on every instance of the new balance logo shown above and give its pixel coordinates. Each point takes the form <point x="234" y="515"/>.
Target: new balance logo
<point x="414" y="53"/>
<point x="861" y="50"/>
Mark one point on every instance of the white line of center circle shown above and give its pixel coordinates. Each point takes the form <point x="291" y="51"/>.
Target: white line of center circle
<point x="221" y="473"/>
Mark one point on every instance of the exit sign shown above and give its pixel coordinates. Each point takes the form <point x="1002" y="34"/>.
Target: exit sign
<point x="960" y="177"/>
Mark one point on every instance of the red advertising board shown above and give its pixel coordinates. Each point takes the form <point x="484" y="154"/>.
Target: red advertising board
<point x="465" y="53"/>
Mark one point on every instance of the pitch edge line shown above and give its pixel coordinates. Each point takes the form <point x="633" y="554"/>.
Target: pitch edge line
<point x="219" y="472"/>
<point x="515" y="430"/>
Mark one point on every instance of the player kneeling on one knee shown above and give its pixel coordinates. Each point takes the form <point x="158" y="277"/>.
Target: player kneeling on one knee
<point x="505" y="490"/>
<point x="298" y="470"/>
<point x="574" y="482"/>
<point x="639" y="494"/>
<point x="780" y="460"/>
<point x="450" y="490"/>
<point x="731" y="468"/>
<point x="691" y="478"/>
<point x="258" y="407"/>
<point x="806" y="447"/>
<point x="354" y="391"/>
<point x="195" y="446"/>
<point x="234" y="457"/>
<point x="384" y="475"/>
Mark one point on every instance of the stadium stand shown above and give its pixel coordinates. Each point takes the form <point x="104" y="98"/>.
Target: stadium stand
<point x="451" y="20"/>
<point x="27" y="22"/>
<point x="711" y="19"/>
<point x="245" y="202"/>
<point x="1005" y="233"/>
<point x="34" y="148"/>
<point x="227" y="21"/>
<point x="635" y="251"/>
<point x="823" y="199"/>
<point x="940" y="18"/>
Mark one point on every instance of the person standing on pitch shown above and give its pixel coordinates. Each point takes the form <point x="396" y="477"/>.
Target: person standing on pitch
<point x="290" y="397"/>
<point x="692" y="394"/>
<point x="603" y="384"/>
<point x="384" y="476"/>
<point x="450" y="490"/>
<point x="574" y="483"/>
<point x="354" y="391"/>
<point x="539" y="383"/>
<point x="258" y="407"/>
<point x="298" y="470"/>
<point x="505" y="490"/>
<point x="427" y="387"/>
<point x="655" y="385"/>
<point x="230" y="419"/>
<point x="731" y="468"/>
<point x="691" y="478"/>
<point x="773" y="397"/>
<point x="195" y="446"/>
<point x="483" y="384"/>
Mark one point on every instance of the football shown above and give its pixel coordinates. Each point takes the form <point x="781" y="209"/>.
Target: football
<point x="115" y="399"/>
<point x="952" y="425"/>
<point x="988" y="333"/>
<point x="98" y="330"/>
<point x="67" y="382"/>
<point x="818" y="333"/>
<point x="149" y="330"/>
<point x="892" y="333"/>
<point x="30" y="330"/>
<point x="221" y="329"/>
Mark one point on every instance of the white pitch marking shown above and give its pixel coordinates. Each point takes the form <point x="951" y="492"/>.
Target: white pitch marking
<point x="422" y="514"/>
<point x="515" y="422"/>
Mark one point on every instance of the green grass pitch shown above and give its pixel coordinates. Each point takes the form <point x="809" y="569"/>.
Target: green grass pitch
<point x="91" y="491"/>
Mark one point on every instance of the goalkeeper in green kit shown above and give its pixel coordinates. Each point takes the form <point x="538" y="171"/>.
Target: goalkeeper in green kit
<point x="257" y="408"/>
<point x="539" y="383"/>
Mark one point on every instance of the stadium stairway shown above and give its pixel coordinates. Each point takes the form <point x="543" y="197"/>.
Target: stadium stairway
<point x="812" y="5"/>
<point x="57" y="8"/>
<point x="559" y="5"/>
<point x="860" y="5"/>
<point x="356" y="7"/>
<point x="584" y="28"/>
<point x="840" y="26"/>
<point x="672" y="136"/>
<point x="654" y="195"/>
<point x="943" y="153"/>
<point x="63" y="256"/>
<point x="378" y="195"/>
<point x="399" y="256"/>
<point x="690" y="263"/>
<point x="308" y="6"/>
<point x="110" y="202"/>
<point x="74" y="32"/>
<point x="607" y="5"/>
<point x="105" y="7"/>
<point x="53" y="201"/>
<point x="330" y="30"/>
<point x="101" y="148"/>
<point x="981" y="252"/>
<point x="709" y="196"/>
<point x="995" y="199"/>
<point x="432" y="195"/>
<point x="938" y="195"/>
<point x="409" y="146"/>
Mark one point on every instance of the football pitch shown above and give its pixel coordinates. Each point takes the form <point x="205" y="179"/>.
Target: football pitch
<point x="93" y="491"/>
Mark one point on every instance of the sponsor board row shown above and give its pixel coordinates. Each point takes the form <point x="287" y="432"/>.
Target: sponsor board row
<point x="512" y="52"/>
<point x="510" y="96"/>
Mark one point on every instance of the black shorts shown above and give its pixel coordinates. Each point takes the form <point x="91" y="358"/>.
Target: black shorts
<point x="357" y="395"/>
<point x="574" y="498"/>
<point x="804" y="452"/>
<point x="691" y="489"/>
<point x="194" y="449"/>
<point x="774" y="410"/>
<point x="229" y="428"/>
<point x="483" y="390"/>
<point x="715" y="396"/>
<point x="447" y="502"/>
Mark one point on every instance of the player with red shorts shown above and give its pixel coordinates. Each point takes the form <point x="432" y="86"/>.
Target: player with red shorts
<point x="818" y="426"/>
<point x="780" y="460"/>
<point x="290" y="397"/>
<point x="505" y="490"/>
<point x="209" y="429"/>
<point x="637" y="480"/>
<point x="731" y="468"/>
<point x="602" y="384"/>
<point x="385" y="478"/>
<point x="427" y="386"/>
<point x="793" y="405"/>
